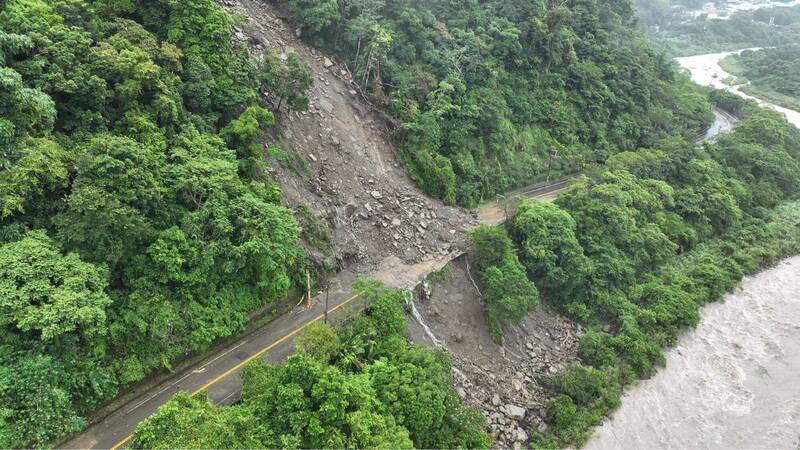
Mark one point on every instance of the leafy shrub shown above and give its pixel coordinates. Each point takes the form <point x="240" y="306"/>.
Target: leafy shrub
<point x="318" y="342"/>
<point x="399" y="395"/>
<point x="508" y="293"/>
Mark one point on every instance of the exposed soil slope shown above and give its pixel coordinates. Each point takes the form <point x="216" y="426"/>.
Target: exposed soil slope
<point x="342" y="163"/>
<point x="504" y="382"/>
<point x="345" y="168"/>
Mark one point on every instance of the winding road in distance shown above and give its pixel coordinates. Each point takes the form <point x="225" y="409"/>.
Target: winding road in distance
<point x="494" y="213"/>
<point x="216" y="374"/>
<point x="724" y="122"/>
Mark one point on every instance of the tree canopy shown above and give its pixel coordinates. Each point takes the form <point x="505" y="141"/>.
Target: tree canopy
<point x="487" y="91"/>
<point x="372" y="390"/>
<point x="137" y="222"/>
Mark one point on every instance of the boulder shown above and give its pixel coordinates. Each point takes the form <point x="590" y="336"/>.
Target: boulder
<point x="515" y="412"/>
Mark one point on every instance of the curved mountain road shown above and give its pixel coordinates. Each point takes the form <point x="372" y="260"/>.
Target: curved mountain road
<point x="724" y="122"/>
<point x="216" y="374"/>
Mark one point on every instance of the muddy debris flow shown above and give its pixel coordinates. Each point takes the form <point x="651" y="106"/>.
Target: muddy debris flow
<point x="339" y="160"/>
<point x="504" y="382"/>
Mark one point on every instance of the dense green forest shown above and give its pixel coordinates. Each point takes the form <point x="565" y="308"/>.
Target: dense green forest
<point x="677" y="34"/>
<point x="136" y="223"/>
<point x="487" y="91"/>
<point x="632" y="252"/>
<point x="638" y="246"/>
<point x="771" y="74"/>
<point x="363" y="386"/>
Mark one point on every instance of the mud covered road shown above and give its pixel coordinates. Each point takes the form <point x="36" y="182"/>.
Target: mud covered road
<point x="273" y="342"/>
<point x="350" y="177"/>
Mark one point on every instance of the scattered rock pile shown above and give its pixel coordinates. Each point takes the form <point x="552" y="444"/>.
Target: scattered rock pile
<point x="343" y="161"/>
<point x="511" y="393"/>
<point x="506" y="383"/>
<point x="405" y="221"/>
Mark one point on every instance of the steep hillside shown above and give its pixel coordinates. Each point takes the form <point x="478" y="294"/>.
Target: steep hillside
<point x="507" y="382"/>
<point x="169" y="169"/>
<point x="341" y="161"/>
<point x="492" y="95"/>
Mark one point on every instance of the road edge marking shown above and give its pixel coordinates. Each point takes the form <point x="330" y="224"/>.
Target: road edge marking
<point x="259" y="353"/>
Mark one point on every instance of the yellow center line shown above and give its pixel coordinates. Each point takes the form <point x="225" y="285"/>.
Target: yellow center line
<point x="122" y="442"/>
<point x="269" y="347"/>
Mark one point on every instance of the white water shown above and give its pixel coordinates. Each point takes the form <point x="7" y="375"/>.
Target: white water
<point x="726" y="10"/>
<point x="421" y="320"/>
<point x="734" y="382"/>
<point x="705" y="70"/>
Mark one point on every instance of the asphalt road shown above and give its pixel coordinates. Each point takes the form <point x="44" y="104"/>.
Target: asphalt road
<point x="723" y="123"/>
<point x="494" y="213"/>
<point x="216" y="375"/>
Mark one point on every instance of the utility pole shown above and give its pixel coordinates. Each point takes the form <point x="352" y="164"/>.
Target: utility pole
<point x="327" y="293"/>
<point x="505" y="205"/>
<point x="308" y="288"/>
<point x="553" y="154"/>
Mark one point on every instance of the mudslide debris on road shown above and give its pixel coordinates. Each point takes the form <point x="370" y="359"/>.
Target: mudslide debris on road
<point x="350" y="176"/>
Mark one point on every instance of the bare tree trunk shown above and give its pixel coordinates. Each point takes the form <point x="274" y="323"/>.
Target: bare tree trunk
<point x="474" y="284"/>
<point x="308" y="286"/>
<point x="367" y="70"/>
<point x="358" y="49"/>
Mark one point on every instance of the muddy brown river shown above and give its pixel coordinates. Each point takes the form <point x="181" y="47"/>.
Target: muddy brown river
<point x="733" y="382"/>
